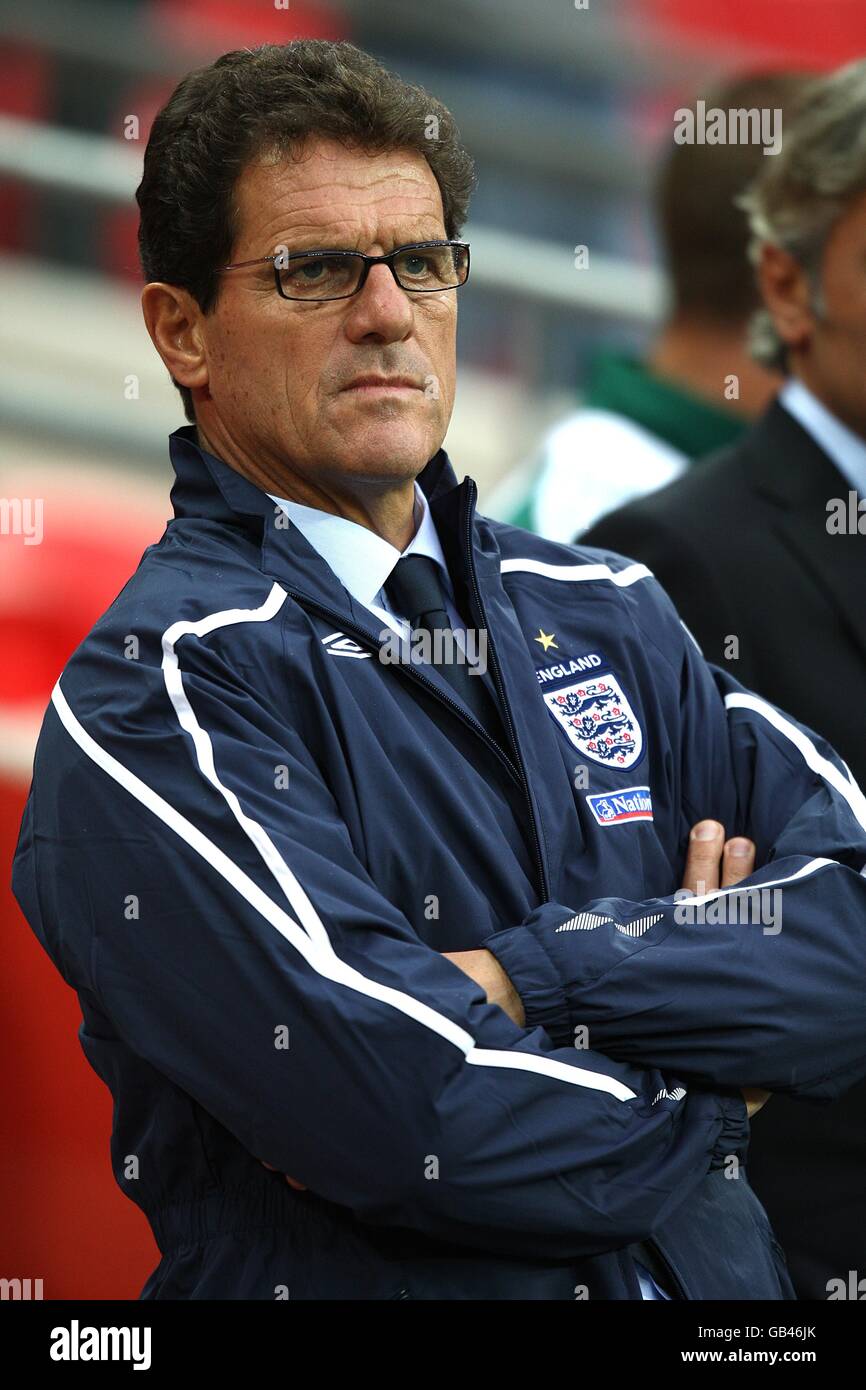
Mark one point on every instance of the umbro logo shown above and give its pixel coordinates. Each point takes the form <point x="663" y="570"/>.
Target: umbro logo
<point x="338" y="644"/>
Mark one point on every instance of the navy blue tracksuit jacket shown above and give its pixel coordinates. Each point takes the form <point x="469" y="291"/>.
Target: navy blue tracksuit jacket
<point x="248" y="840"/>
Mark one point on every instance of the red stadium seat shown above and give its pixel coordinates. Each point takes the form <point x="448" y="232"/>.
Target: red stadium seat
<point x="62" y="1217"/>
<point x="783" y="31"/>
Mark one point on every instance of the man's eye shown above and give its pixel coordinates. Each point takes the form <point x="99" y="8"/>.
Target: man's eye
<point x="319" y="276"/>
<point x="434" y="266"/>
<point x="316" y="269"/>
<point x="416" y="266"/>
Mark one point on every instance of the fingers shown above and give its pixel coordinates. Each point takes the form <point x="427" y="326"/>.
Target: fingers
<point x="298" y="1186"/>
<point x="738" y="861"/>
<point x="701" y="874"/>
<point x="754" y="1098"/>
<point x="709" y="852"/>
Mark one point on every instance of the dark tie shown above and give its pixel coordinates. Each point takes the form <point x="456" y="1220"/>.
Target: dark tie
<point x="416" y="592"/>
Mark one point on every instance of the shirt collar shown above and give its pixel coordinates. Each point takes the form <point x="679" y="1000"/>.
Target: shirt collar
<point x="207" y="489"/>
<point x="845" y="448"/>
<point x="361" y="559"/>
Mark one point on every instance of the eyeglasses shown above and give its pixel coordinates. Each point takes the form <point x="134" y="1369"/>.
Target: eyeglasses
<point x="421" y="267"/>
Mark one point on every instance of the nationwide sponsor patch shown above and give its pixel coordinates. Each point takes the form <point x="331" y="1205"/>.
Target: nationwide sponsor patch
<point x="598" y="719"/>
<point x="614" y="808"/>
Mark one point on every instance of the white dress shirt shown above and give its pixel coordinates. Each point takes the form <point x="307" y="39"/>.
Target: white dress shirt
<point x="363" y="561"/>
<point x="846" y="449"/>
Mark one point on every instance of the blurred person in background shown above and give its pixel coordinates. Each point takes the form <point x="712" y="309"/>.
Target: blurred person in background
<point x="763" y="550"/>
<point x="644" y="420"/>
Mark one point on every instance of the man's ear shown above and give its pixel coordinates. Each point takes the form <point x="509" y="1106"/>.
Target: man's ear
<point x="173" y="320"/>
<point x="787" y="295"/>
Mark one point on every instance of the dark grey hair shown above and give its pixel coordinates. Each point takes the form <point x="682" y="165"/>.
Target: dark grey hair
<point x="801" y="192"/>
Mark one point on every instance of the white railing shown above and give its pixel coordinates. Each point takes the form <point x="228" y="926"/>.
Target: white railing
<point x="107" y="170"/>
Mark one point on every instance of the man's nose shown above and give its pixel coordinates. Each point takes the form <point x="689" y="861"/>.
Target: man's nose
<point x="381" y="309"/>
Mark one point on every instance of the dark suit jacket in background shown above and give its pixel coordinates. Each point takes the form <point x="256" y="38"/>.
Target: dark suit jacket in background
<point x="741" y="545"/>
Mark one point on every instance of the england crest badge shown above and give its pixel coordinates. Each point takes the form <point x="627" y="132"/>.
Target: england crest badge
<point x="598" y="719"/>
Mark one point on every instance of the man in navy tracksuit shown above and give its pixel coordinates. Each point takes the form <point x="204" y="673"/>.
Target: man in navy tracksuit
<point x="349" y="908"/>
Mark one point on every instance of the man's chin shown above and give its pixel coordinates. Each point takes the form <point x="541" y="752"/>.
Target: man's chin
<point x="390" y="452"/>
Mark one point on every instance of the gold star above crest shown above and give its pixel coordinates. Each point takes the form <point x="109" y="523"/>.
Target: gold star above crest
<point x="546" y="639"/>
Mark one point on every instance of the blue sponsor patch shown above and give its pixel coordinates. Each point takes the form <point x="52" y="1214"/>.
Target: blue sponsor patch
<point x="614" y="808"/>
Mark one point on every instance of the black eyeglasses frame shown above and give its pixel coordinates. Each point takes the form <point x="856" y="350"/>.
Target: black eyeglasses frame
<point x="281" y="260"/>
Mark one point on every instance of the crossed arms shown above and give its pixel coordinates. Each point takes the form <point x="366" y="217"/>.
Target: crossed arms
<point x="257" y="913"/>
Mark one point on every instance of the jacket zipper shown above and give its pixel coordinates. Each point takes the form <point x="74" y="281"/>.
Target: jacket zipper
<point x="516" y="769"/>
<point x="500" y="686"/>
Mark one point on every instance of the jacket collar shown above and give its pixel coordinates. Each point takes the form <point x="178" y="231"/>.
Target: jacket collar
<point x="787" y="466"/>
<point x="209" y="489"/>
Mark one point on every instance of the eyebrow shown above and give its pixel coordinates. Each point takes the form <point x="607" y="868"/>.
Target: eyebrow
<point x="322" y="245"/>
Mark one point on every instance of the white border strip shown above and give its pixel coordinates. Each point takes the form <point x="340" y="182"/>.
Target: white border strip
<point x="692" y="900"/>
<point x="292" y="890"/>
<point x="622" y="577"/>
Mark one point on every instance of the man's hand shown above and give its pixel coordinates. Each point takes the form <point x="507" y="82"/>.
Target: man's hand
<point x="485" y="970"/>
<point x="711" y="857"/>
